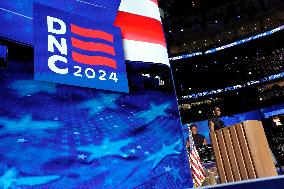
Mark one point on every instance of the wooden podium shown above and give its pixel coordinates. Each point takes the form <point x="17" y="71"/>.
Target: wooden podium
<point x="241" y="152"/>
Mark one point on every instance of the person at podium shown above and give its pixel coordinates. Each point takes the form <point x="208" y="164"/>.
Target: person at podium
<point x="215" y="123"/>
<point x="199" y="140"/>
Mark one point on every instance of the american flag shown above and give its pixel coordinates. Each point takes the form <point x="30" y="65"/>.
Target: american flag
<point x="198" y="174"/>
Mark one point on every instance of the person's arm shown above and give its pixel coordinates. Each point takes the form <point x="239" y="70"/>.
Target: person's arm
<point x="211" y="126"/>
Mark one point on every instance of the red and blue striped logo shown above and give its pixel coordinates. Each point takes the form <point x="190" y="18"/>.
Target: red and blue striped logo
<point x="88" y="44"/>
<point x="75" y="50"/>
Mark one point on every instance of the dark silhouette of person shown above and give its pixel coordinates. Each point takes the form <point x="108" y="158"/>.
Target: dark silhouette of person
<point x="215" y="123"/>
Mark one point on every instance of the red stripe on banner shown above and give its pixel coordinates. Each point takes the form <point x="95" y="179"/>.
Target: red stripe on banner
<point x="91" y="46"/>
<point x="140" y="28"/>
<point x="93" y="60"/>
<point x="91" y="33"/>
<point x="155" y="1"/>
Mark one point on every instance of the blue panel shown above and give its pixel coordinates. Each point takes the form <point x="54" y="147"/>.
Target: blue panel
<point x="17" y="16"/>
<point x="58" y="136"/>
<point x="3" y="52"/>
<point x="264" y="183"/>
<point x="273" y="110"/>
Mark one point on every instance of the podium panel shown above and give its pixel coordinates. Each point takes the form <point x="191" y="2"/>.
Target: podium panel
<point x="241" y="152"/>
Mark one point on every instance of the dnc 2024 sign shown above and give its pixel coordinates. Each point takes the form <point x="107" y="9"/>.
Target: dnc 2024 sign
<point x="74" y="50"/>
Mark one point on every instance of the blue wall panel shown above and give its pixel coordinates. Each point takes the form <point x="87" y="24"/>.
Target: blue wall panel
<point x="17" y="15"/>
<point x="59" y="136"/>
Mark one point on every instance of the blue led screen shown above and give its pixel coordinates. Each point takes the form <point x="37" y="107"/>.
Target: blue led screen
<point x="17" y="16"/>
<point x="59" y="136"/>
<point x="273" y="110"/>
<point x="3" y="51"/>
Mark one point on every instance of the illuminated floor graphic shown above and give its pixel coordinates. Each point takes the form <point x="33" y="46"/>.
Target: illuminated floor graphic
<point x="59" y="136"/>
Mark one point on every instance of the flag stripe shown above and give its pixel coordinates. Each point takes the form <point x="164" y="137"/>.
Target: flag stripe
<point x="198" y="173"/>
<point x="142" y="31"/>
<point x="155" y="1"/>
<point x="91" y="46"/>
<point x="145" y="52"/>
<point x="93" y="60"/>
<point x="139" y="28"/>
<point x="199" y="169"/>
<point x="147" y="8"/>
<point x="196" y="178"/>
<point x="91" y="33"/>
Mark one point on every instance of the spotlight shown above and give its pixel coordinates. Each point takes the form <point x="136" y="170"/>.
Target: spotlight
<point x="181" y="30"/>
<point x="199" y="111"/>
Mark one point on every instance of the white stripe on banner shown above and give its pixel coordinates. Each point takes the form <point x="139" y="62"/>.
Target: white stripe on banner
<point x="141" y="7"/>
<point x="145" y="52"/>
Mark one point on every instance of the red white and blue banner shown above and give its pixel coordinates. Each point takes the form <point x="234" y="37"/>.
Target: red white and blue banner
<point x="139" y="21"/>
<point x="142" y="31"/>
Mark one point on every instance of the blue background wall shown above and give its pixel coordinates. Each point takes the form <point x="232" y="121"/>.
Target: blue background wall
<point x="17" y="15"/>
<point x="58" y="136"/>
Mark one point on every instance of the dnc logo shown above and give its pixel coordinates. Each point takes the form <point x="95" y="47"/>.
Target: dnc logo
<point x="74" y="50"/>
